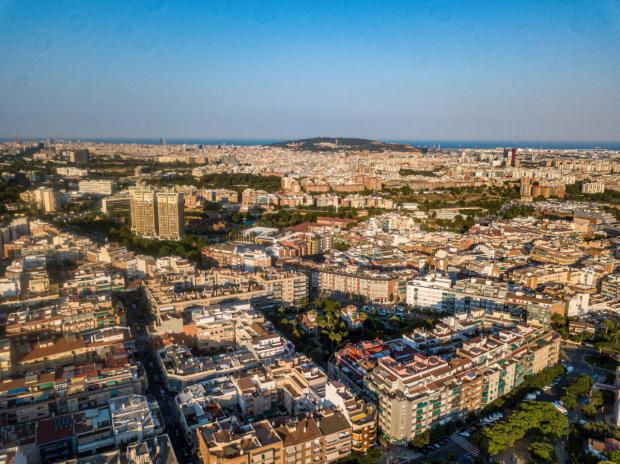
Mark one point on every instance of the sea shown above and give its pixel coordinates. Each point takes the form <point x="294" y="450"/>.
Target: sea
<point x="430" y="143"/>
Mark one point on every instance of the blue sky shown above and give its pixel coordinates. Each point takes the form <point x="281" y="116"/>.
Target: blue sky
<point x="521" y="70"/>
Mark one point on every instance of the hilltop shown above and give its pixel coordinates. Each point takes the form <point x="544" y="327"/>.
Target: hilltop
<point x="337" y="143"/>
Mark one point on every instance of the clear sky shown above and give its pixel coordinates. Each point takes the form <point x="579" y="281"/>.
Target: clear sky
<point x="436" y="69"/>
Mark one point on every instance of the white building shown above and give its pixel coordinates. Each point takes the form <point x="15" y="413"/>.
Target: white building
<point x="593" y="187"/>
<point x="132" y="419"/>
<point x="428" y="292"/>
<point x="97" y="187"/>
<point x="9" y="288"/>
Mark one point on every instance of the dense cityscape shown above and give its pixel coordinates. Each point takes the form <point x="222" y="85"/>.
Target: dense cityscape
<point x="326" y="232"/>
<point x="325" y="300"/>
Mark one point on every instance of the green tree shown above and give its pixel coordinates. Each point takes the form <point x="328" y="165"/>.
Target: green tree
<point x="420" y="441"/>
<point x="574" y="392"/>
<point x="530" y="416"/>
<point x="542" y="452"/>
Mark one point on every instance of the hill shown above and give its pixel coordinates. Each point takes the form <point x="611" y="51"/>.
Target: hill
<point x="336" y="144"/>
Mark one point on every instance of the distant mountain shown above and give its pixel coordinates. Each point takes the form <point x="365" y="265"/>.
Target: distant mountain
<point x="337" y="143"/>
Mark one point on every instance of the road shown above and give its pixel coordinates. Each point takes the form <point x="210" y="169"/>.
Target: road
<point x="135" y="320"/>
<point x="576" y="356"/>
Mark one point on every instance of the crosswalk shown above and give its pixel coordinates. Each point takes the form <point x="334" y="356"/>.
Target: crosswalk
<point x="465" y="444"/>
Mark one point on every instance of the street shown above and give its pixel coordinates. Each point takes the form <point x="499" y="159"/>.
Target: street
<point x="137" y="324"/>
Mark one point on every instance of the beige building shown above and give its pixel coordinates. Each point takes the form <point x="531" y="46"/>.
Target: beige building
<point x="43" y="198"/>
<point x="170" y="222"/>
<point x="227" y="442"/>
<point x="302" y="441"/>
<point x="143" y="210"/>
<point x="376" y="288"/>
<point x="593" y="187"/>
<point x="417" y="392"/>
<point x="156" y="213"/>
<point x="287" y="288"/>
<point x="362" y="416"/>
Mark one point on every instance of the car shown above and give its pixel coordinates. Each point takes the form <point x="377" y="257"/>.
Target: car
<point x="560" y="407"/>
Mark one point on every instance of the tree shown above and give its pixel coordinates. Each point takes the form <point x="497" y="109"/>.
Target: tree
<point x="542" y="451"/>
<point x="420" y="441"/>
<point x="373" y="456"/>
<point x="530" y="416"/>
<point x="577" y="390"/>
<point x="341" y="245"/>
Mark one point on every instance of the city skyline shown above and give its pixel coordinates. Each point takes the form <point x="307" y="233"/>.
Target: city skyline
<point x="336" y="232"/>
<point x="475" y="71"/>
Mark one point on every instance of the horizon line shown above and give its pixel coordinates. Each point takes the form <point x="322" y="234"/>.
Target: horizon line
<point x="287" y="139"/>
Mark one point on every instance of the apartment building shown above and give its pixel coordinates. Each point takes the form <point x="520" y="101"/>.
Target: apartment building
<point x="593" y="187"/>
<point x="302" y="441"/>
<point x="70" y="171"/>
<point x="132" y="419"/>
<point x="156" y="213"/>
<point x="229" y="442"/>
<point x="336" y="431"/>
<point x="156" y="450"/>
<point x="79" y="156"/>
<point x="119" y="202"/>
<point x="324" y="438"/>
<point x="221" y="196"/>
<point x="173" y="294"/>
<point x="533" y="277"/>
<point x="170" y="219"/>
<point x="67" y="349"/>
<point x="287" y="288"/>
<point x="371" y="286"/>
<point x="438" y="293"/>
<point x="143" y="208"/>
<point x="362" y="416"/>
<point x="97" y="187"/>
<point x="431" y="292"/>
<point x="555" y="253"/>
<point x="67" y="389"/>
<point x="239" y="256"/>
<point x="610" y="287"/>
<point x="43" y="198"/>
<point x="415" y="392"/>
<point x="257" y="394"/>
<point x="260" y="198"/>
